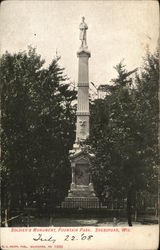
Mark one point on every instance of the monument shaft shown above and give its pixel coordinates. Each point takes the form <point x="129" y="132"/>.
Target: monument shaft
<point x="82" y="126"/>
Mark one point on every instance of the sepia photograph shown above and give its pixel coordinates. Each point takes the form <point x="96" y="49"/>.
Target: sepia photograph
<point x="79" y="120"/>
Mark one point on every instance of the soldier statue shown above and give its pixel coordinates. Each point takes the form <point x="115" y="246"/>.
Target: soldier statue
<point x="83" y="34"/>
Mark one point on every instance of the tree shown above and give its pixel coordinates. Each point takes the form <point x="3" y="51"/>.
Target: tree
<point x="38" y="123"/>
<point x="120" y="133"/>
<point x="146" y="99"/>
<point x="55" y="132"/>
<point x="19" y="72"/>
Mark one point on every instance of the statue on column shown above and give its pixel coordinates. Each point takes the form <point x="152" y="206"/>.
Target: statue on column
<point x="83" y="34"/>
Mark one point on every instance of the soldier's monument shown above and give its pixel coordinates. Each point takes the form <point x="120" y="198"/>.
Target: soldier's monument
<point x="81" y="193"/>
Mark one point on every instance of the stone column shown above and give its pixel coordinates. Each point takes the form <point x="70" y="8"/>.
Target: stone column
<point x="91" y="188"/>
<point x="82" y="126"/>
<point x="73" y="174"/>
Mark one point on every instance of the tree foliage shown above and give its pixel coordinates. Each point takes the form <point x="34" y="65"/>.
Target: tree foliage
<point x="38" y="123"/>
<point x="123" y="135"/>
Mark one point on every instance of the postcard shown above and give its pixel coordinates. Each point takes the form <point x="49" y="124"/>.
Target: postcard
<point x="79" y="124"/>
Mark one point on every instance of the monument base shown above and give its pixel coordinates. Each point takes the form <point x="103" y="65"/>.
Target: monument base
<point x="81" y="193"/>
<point x="81" y="196"/>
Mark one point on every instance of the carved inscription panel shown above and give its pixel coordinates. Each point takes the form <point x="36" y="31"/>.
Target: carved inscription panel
<point x="82" y="174"/>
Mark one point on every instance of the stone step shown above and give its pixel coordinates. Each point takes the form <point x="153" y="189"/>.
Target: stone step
<point x="80" y="202"/>
<point x="81" y="199"/>
<point x="81" y="193"/>
<point x="81" y="187"/>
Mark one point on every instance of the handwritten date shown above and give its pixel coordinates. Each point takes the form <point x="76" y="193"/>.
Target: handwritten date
<point x="52" y="239"/>
<point x="82" y="237"/>
<point x="41" y="238"/>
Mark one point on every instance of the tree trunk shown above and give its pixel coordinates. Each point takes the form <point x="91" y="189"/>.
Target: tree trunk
<point x="100" y="202"/>
<point x="135" y="215"/>
<point x="9" y="207"/>
<point x="129" y="212"/>
<point x="6" y="218"/>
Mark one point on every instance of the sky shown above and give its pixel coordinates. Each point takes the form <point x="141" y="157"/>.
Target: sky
<point x="116" y="30"/>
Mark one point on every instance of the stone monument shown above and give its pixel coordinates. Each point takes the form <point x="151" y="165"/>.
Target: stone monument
<point x="81" y="193"/>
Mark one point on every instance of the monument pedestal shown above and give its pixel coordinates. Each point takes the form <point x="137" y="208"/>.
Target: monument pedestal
<point x="81" y="193"/>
